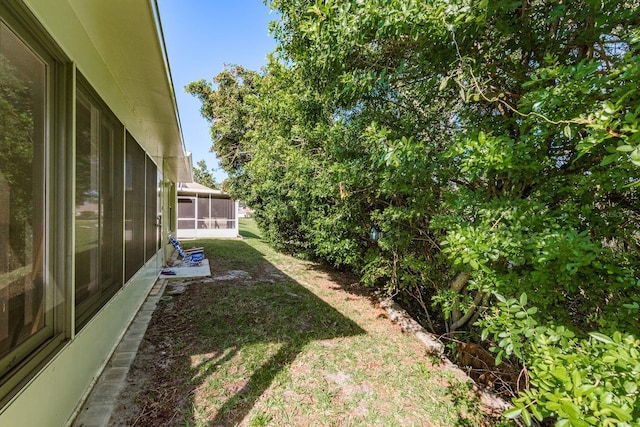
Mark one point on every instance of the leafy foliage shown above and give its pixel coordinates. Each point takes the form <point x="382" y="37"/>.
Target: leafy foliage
<point x="202" y="175"/>
<point x="495" y="146"/>
<point x="226" y="109"/>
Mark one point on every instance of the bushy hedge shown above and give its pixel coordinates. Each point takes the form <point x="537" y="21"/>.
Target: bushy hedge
<point x="494" y="146"/>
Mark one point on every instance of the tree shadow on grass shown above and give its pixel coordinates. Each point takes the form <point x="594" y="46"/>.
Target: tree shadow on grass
<point x="248" y="234"/>
<point x="346" y="281"/>
<point x="225" y="341"/>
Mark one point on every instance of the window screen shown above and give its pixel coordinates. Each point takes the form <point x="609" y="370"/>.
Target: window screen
<point x="134" y="207"/>
<point x="151" y="209"/>
<point x="23" y="140"/>
<point x="186" y="213"/>
<point x="98" y="206"/>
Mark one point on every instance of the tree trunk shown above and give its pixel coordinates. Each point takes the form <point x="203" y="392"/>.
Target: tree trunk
<point x="457" y="286"/>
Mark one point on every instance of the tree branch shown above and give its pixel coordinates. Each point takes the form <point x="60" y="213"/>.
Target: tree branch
<point x="470" y="312"/>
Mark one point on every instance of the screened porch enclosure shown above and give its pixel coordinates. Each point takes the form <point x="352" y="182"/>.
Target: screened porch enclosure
<point x="205" y="213"/>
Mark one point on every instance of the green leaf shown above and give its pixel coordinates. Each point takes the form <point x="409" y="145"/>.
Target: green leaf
<point x="571" y="409"/>
<point x="625" y="148"/>
<point x="443" y="83"/>
<point x="585" y="390"/>
<point x="561" y="374"/>
<point x="512" y="413"/>
<point x="609" y="159"/>
<point x="623" y="413"/>
<point x="601" y="337"/>
<point x="523" y="299"/>
<point x="630" y="387"/>
<point x="567" y="131"/>
<point x="609" y="107"/>
<point x="577" y="421"/>
<point x="577" y="379"/>
<point x="535" y="410"/>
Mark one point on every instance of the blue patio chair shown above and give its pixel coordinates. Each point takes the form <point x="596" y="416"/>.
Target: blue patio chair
<point x="190" y="257"/>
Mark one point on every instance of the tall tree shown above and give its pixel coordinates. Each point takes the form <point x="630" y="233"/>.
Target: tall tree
<point x="202" y="175"/>
<point x="225" y="105"/>
<point x="495" y="146"/>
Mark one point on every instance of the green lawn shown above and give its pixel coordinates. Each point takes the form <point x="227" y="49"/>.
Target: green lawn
<point x="291" y="344"/>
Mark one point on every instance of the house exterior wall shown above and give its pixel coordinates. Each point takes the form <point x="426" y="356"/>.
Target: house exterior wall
<point x="111" y="50"/>
<point x="102" y="38"/>
<point x="169" y="216"/>
<point x="53" y="396"/>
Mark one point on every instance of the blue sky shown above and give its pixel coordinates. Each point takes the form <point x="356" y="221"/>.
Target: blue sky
<point x="201" y="36"/>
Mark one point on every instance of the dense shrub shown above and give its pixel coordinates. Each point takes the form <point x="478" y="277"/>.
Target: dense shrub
<point x="496" y="148"/>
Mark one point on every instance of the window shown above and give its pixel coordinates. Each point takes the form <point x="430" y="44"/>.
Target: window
<point x="28" y="300"/>
<point x="134" y="208"/>
<point x="98" y="204"/>
<point x="205" y="212"/>
<point x="59" y="198"/>
<point x="159" y="218"/>
<point x="186" y="213"/>
<point x="151" y="209"/>
<point x="141" y="208"/>
<point x="172" y="217"/>
<point x="224" y="210"/>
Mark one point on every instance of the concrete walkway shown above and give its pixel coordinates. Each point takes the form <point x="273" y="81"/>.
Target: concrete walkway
<point x="99" y="406"/>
